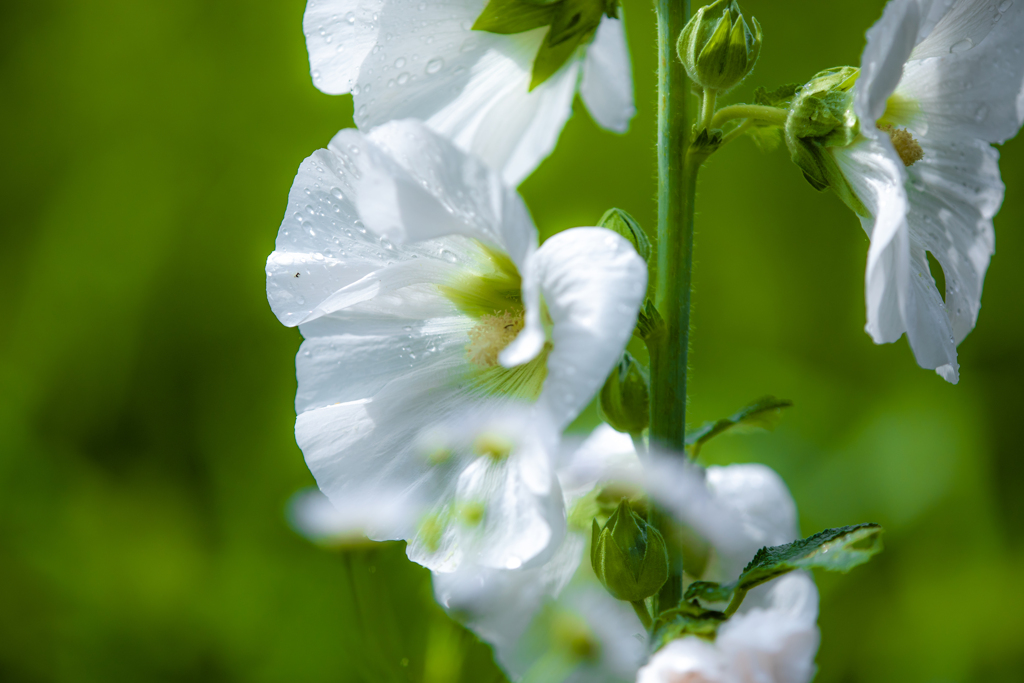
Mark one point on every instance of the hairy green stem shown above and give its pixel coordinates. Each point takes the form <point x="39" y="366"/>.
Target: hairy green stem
<point x="707" y="108"/>
<point x="669" y="347"/>
<point x="756" y="112"/>
<point x="640" y="607"/>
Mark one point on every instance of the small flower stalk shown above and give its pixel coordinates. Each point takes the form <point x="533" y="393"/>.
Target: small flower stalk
<point x="629" y="555"/>
<point x="718" y="48"/>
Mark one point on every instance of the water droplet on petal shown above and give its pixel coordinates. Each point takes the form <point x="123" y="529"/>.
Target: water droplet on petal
<point x="1005" y="5"/>
<point x="962" y="46"/>
<point x="434" y="65"/>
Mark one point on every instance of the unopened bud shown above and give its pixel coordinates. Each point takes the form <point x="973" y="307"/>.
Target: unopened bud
<point x="717" y="46"/>
<point x="621" y="222"/>
<point x="624" y="401"/>
<point x="629" y="555"/>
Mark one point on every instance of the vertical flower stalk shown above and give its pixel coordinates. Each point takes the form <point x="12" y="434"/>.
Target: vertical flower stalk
<point x="676" y="183"/>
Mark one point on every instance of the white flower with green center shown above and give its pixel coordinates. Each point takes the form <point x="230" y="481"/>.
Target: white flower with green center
<point x="939" y="82"/>
<point x="499" y="83"/>
<point x="414" y="275"/>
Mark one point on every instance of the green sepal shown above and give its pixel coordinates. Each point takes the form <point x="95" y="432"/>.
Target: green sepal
<point x="763" y="413"/>
<point x="649" y="323"/>
<point x="821" y="116"/>
<point x="689" y="619"/>
<point x="624" y="400"/>
<point x="839" y="549"/>
<point x="628" y="555"/>
<point x="515" y="16"/>
<point x="780" y="97"/>
<point x="622" y="223"/>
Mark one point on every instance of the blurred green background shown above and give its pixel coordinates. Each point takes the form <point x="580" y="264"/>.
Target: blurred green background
<point x="146" y="449"/>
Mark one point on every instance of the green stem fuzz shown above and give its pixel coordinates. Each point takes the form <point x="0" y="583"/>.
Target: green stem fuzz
<point x="677" y="176"/>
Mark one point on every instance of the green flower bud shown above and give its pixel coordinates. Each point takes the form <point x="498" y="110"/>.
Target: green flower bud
<point x="717" y="46"/>
<point x="629" y="556"/>
<point x="624" y="399"/>
<point x="821" y="116"/>
<point x="621" y="222"/>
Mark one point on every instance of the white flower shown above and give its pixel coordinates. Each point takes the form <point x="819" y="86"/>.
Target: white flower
<point x="421" y="59"/>
<point x="773" y="643"/>
<point x="939" y="82"/>
<point x="415" y="277"/>
<point x="554" y="621"/>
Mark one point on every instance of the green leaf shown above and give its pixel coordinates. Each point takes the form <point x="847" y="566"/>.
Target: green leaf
<point x="763" y="413"/>
<point x="515" y="16"/>
<point x="839" y="550"/>
<point x="689" y="619"/>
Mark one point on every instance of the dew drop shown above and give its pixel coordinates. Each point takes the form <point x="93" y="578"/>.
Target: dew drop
<point x="350" y="17"/>
<point x="337" y="193"/>
<point x="400" y="62"/>
<point x="403" y="78"/>
<point x="434" y="65"/>
<point x="1005" y="5"/>
<point x="982" y="112"/>
<point x="962" y="46"/>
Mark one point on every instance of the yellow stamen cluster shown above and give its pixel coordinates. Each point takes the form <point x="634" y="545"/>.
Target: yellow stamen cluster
<point x="906" y="146"/>
<point x="491" y="335"/>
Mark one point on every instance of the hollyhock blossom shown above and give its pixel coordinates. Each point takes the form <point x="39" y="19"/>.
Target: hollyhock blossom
<point x="554" y="620"/>
<point x="939" y="82"/>
<point x="423" y="59"/>
<point x="414" y="275"/>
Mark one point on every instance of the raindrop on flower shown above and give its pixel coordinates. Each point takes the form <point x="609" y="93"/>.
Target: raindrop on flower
<point x="434" y="65"/>
<point x="962" y="46"/>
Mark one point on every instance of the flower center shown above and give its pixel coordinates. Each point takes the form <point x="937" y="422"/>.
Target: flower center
<point x="906" y="146"/>
<point x="491" y="335"/>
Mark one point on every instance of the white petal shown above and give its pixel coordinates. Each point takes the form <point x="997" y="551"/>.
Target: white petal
<point x="605" y="454"/>
<point x="373" y="214"/>
<point x="686" y="659"/>
<point x="472" y="86"/>
<point x="889" y="44"/>
<point x="593" y="282"/>
<point x="313" y="515"/>
<point x="776" y="644"/>
<point x="339" y="35"/>
<point x="971" y="92"/>
<point x="877" y="178"/>
<point x="760" y="498"/>
<point x="955" y="27"/>
<point x="954" y="192"/>
<point x="499" y="604"/>
<point x="448" y="192"/>
<point x="354" y="357"/>
<point x="607" y="84"/>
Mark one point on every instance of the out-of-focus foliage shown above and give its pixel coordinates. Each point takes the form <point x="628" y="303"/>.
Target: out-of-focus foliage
<point x="146" y="449"/>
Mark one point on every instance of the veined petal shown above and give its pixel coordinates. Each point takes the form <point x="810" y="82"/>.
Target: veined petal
<point x="451" y="192"/>
<point x="877" y="177"/>
<point x="471" y="86"/>
<point x="972" y="80"/>
<point x="686" y="659"/>
<point x="889" y="44"/>
<point x="339" y="36"/>
<point x="355" y="356"/>
<point x="593" y="282"/>
<point x="607" y="84"/>
<point x="959" y="26"/>
<point x="954" y="192"/>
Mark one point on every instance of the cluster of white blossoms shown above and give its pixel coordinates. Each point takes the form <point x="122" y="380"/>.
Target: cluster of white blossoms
<point x="446" y="351"/>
